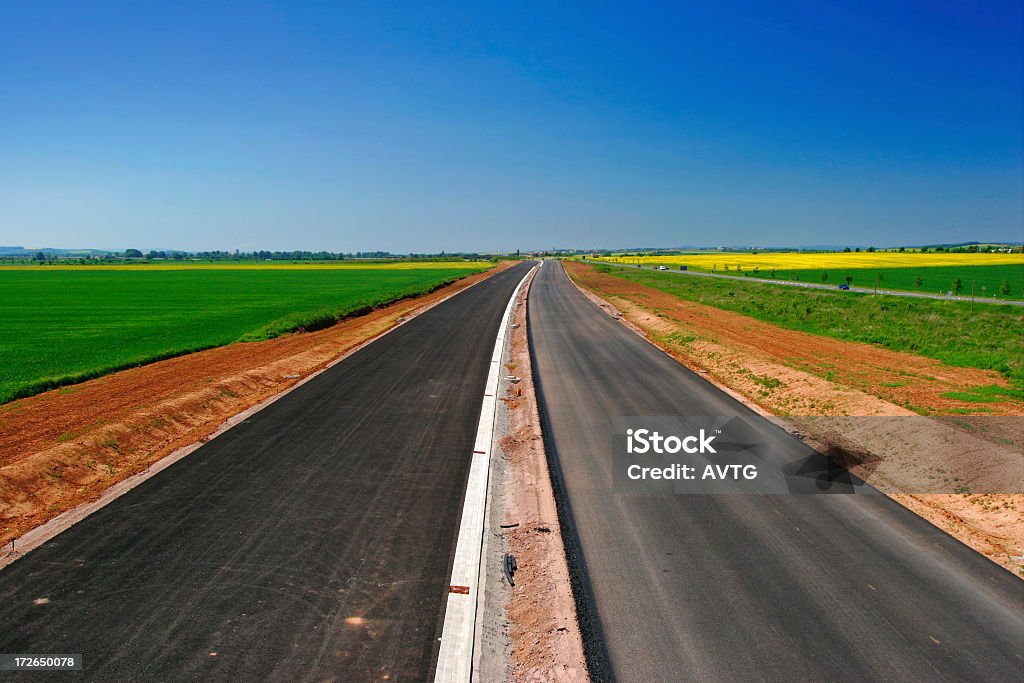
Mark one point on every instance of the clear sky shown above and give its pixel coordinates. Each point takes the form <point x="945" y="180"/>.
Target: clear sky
<point x="426" y="126"/>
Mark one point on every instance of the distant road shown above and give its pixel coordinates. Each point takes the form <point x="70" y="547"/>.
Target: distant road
<point x="812" y="285"/>
<point x="313" y="541"/>
<point x="745" y="587"/>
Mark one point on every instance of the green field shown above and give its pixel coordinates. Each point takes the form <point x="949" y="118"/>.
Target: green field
<point x="929" y="273"/>
<point x="64" y="325"/>
<point x="989" y="337"/>
<point x="987" y="280"/>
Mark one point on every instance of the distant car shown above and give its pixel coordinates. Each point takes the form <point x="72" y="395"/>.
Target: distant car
<point x="662" y="267"/>
<point x="844" y="286"/>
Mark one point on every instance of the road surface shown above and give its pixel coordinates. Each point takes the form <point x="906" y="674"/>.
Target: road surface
<point x="744" y="586"/>
<point x="811" y="285"/>
<point x="313" y="541"/>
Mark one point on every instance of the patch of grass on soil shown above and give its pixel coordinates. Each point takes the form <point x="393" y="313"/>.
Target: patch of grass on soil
<point x="989" y="337"/>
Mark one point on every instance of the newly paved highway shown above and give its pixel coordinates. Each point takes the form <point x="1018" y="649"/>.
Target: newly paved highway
<point x="744" y="587"/>
<point x="312" y="541"/>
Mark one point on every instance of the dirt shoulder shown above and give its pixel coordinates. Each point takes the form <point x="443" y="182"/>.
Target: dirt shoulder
<point x="545" y="637"/>
<point x="66" y="447"/>
<point x="789" y="373"/>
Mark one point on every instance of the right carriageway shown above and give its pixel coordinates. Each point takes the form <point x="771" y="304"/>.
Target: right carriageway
<point x="735" y="587"/>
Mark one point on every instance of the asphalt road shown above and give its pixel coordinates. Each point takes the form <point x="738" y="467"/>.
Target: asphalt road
<point x="744" y="586"/>
<point x="313" y="541"/>
<point x="812" y="285"/>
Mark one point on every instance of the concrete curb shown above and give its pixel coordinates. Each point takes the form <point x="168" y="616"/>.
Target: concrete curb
<point x="455" y="659"/>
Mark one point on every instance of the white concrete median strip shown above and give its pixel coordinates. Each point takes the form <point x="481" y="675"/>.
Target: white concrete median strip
<point x="455" y="660"/>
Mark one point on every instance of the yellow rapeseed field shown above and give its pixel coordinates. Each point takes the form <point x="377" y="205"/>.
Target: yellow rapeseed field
<point x="812" y="261"/>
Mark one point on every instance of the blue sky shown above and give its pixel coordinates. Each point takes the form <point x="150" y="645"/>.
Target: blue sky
<point x="478" y="126"/>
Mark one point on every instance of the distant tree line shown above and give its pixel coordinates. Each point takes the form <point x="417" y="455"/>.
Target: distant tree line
<point x="258" y="255"/>
<point x="263" y="255"/>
